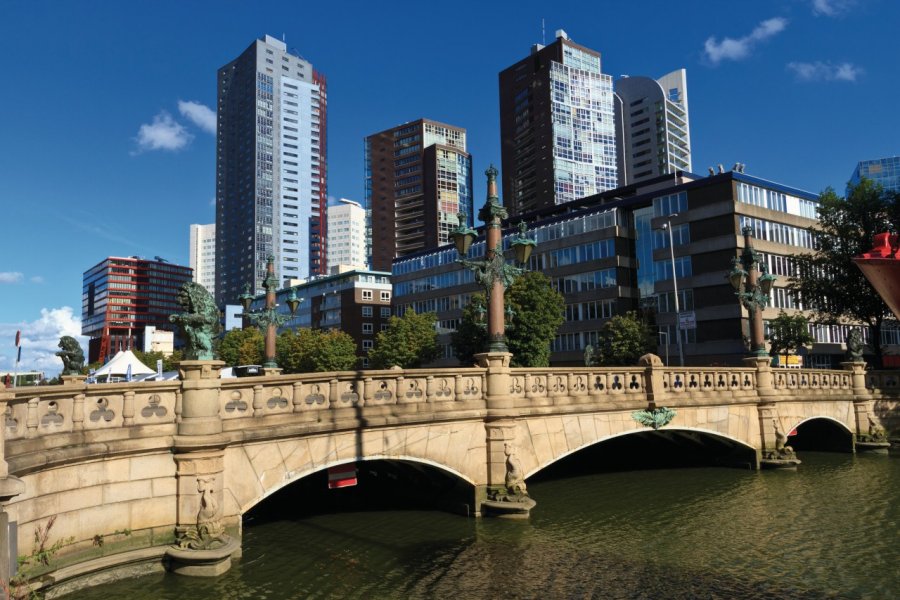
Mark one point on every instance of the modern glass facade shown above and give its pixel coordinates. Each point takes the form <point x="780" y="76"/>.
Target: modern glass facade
<point x="270" y="169"/>
<point x="121" y="296"/>
<point x="883" y="171"/>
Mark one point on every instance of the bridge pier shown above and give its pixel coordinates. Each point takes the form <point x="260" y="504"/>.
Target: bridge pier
<point x="10" y="487"/>
<point x="202" y="548"/>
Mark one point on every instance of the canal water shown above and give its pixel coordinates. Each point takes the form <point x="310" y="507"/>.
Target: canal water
<point x="828" y="530"/>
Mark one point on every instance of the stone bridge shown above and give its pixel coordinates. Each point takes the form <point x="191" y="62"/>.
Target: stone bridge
<point x="138" y="476"/>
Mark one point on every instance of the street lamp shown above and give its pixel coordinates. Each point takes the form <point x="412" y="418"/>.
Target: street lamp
<point x="752" y="284"/>
<point x="668" y="226"/>
<point x="268" y="318"/>
<point x="492" y="272"/>
<point x="665" y="333"/>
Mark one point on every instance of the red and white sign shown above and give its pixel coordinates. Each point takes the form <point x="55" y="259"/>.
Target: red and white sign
<point x="342" y="476"/>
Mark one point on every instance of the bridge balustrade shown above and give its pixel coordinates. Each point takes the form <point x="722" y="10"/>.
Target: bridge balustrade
<point x="823" y="381"/>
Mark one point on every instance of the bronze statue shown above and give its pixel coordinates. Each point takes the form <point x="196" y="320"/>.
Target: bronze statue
<point x="855" y="345"/>
<point x="71" y="354"/>
<point x="200" y="321"/>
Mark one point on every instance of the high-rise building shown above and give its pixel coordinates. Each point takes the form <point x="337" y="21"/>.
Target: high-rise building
<point x="346" y="236"/>
<point x="270" y="168"/>
<point x="883" y="171"/>
<point x="557" y="127"/>
<point x="203" y="255"/>
<point x="653" y="136"/>
<point x="418" y="177"/>
<point x="122" y="296"/>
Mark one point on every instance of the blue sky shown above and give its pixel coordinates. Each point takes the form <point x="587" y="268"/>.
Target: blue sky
<point x="107" y="145"/>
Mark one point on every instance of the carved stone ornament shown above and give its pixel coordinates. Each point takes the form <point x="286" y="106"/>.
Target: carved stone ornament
<point x="209" y="533"/>
<point x="656" y="418"/>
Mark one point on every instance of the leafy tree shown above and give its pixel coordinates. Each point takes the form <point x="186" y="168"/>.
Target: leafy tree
<point x="623" y="340"/>
<point x="170" y="363"/>
<point x="538" y="311"/>
<point x="409" y="342"/>
<point x="789" y="333"/>
<point x="242" y="347"/>
<point x="313" y="350"/>
<point x="827" y="281"/>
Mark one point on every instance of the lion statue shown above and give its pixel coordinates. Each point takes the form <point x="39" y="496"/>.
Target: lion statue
<point x="199" y="322"/>
<point x="71" y="354"/>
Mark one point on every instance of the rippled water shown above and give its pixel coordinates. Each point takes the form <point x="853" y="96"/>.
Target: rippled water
<point x="829" y="530"/>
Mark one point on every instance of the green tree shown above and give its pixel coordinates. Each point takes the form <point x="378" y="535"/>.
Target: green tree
<point x="315" y="351"/>
<point x="242" y="347"/>
<point x="827" y="281"/>
<point x="170" y="363"/>
<point x="538" y="311"/>
<point x="409" y="342"/>
<point x="789" y="333"/>
<point x="623" y="340"/>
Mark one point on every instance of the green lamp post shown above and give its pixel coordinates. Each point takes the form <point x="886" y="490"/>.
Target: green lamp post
<point x="752" y="284"/>
<point x="268" y="319"/>
<point x="492" y="272"/>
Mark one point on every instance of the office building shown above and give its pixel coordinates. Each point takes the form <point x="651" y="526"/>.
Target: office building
<point x="418" y="177"/>
<point x="121" y="296"/>
<point x="203" y="255"/>
<point x="557" y="127"/>
<point x="270" y="168"/>
<point x="653" y="135"/>
<point x="357" y="302"/>
<point x="883" y="171"/>
<point x="609" y="254"/>
<point x="346" y="236"/>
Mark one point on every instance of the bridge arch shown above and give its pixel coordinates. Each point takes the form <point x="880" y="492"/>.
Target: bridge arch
<point x="822" y="433"/>
<point x="737" y="444"/>
<point x="293" y="477"/>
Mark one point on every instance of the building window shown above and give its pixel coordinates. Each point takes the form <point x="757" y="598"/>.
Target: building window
<point x="365" y="363"/>
<point x="385" y="312"/>
<point x="367" y="345"/>
<point x="367" y="294"/>
<point x="385" y="296"/>
<point x="367" y="328"/>
<point x="367" y="311"/>
<point x="384" y="326"/>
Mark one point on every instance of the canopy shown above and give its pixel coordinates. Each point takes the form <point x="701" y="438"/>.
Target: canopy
<point x="118" y="366"/>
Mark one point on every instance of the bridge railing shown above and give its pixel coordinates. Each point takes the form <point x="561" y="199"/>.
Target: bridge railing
<point x="312" y="393"/>
<point x="545" y="384"/>
<point x="50" y="410"/>
<point x="884" y="384"/>
<point x="824" y="381"/>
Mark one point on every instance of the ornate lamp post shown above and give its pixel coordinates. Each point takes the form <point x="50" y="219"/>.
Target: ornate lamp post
<point x="268" y="318"/>
<point x="752" y="285"/>
<point x="492" y="272"/>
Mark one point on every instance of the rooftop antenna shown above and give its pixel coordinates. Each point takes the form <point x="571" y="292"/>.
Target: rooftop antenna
<point x="283" y="38"/>
<point x="543" y="34"/>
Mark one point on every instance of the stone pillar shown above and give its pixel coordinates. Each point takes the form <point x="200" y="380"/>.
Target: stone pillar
<point x="654" y="382"/>
<point x="202" y="547"/>
<point x="497" y="398"/>
<point x="767" y="414"/>
<point x="73" y="379"/>
<point x="499" y="433"/>
<point x="764" y="379"/>
<point x="858" y="378"/>
<point x="10" y="487"/>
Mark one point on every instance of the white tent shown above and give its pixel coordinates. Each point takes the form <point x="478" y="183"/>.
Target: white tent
<point x="118" y="366"/>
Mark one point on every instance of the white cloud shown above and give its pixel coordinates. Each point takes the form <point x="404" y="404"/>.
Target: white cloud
<point x="165" y="133"/>
<point x="40" y="341"/>
<point x="36" y="279"/>
<point x="824" y="71"/>
<point x="10" y="277"/>
<point x="832" y="8"/>
<point x="738" y="49"/>
<point x="199" y="114"/>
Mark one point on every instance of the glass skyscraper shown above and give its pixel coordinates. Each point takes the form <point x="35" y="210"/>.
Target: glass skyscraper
<point x="884" y="171"/>
<point x="557" y="127"/>
<point x="271" y="188"/>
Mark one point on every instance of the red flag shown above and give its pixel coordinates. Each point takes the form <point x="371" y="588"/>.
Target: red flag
<point x="18" y="335"/>
<point x="793" y="432"/>
<point x="341" y="476"/>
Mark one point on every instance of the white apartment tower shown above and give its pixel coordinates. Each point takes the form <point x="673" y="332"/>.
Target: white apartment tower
<point x="203" y="255"/>
<point x="270" y="168"/>
<point x="346" y="236"/>
<point x="653" y="129"/>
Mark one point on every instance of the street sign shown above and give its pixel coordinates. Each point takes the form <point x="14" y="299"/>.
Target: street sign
<point x="687" y="320"/>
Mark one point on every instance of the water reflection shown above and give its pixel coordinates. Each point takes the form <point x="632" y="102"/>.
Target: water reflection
<point x="828" y="530"/>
